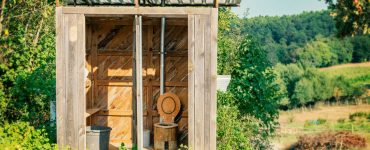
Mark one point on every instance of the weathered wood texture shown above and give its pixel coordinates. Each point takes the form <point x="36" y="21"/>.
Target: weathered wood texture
<point x="106" y="94"/>
<point x="155" y="2"/>
<point x="113" y="79"/>
<point x="70" y="86"/>
<point x="202" y="80"/>
<point x="165" y="137"/>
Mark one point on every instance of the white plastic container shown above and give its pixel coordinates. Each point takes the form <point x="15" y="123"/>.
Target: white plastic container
<point x="146" y="138"/>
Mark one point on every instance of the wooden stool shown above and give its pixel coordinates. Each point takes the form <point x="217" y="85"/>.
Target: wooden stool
<point x="165" y="136"/>
<point x="165" y="132"/>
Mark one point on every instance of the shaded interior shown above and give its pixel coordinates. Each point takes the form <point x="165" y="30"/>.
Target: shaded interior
<point x="109" y="67"/>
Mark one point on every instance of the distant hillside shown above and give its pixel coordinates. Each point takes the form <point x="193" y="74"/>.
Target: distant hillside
<point x="290" y="29"/>
<point x="308" y="37"/>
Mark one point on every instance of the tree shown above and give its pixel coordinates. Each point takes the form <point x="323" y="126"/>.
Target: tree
<point x="290" y="74"/>
<point x="284" y="38"/>
<point x="361" y="48"/>
<point x="316" y="54"/>
<point x="228" y="40"/>
<point x="27" y="61"/>
<point x="303" y="93"/>
<point x="253" y="84"/>
<point x="351" y="16"/>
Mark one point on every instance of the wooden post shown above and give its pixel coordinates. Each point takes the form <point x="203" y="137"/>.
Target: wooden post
<point x="136" y="3"/>
<point x="213" y="76"/>
<point x="57" y="3"/>
<point x="216" y="3"/>
<point x="139" y="81"/>
<point x="70" y="84"/>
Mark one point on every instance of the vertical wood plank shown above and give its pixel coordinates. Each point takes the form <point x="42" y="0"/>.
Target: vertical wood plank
<point x="149" y="64"/>
<point x="94" y="64"/>
<point x="60" y="76"/>
<point x="199" y="82"/>
<point x="71" y="99"/>
<point x="65" y="48"/>
<point x="134" y="85"/>
<point x="72" y="81"/>
<point x="213" y="110"/>
<point x="191" y="76"/>
<point x="139" y="81"/>
<point x="80" y="102"/>
<point x="207" y="79"/>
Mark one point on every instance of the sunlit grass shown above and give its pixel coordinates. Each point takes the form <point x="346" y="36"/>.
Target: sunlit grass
<point x="356" y="73"/>
<point x="297" y="122"/>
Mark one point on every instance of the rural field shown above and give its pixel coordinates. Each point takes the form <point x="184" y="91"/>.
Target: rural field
<point x="292" y="123"/>
<point x="333" y="117"/>
<point x="358" y="73"/>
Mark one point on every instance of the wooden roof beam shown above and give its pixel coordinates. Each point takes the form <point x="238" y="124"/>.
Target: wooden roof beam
<point x="136" y="3"/>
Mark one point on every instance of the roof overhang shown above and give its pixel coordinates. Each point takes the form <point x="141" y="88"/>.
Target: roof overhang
<point x="174" y="3"/>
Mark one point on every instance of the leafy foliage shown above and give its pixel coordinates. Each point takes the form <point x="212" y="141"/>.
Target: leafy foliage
<point x="231" y="132"/>
<point x="351" y="16"/>
<point x="253" y="84"/>
<point x="309" y="85"/>
<point x="20" y="135"/>
<point x="27" y="55"/>
<point x="27" y="63"/>
<point x="303" y="92"/>
<point x="237" y="131"/>
<point x="306" y="37"/>
<point x="34" y="91"/>
<point x="228" y="40"/>
<point x="361" y="46"/>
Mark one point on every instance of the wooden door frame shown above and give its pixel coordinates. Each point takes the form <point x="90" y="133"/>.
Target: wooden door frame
<point x="69" y="108"/>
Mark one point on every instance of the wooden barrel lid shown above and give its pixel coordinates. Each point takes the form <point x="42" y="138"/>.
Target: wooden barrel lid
<point x="168" y="106"/>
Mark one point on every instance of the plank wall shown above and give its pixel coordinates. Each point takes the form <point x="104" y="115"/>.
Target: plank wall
<point x="109" y="61"/>
<point x="104" y="48"/>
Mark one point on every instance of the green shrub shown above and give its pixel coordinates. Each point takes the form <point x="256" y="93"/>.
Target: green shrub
<point x="20" y="135"/>
<point x="122" y="147"/>
<point x="359" y="125"/>
<point x="312" y="124"/>
<point x="238" y="131"/>
<point x="359" y="115"/>
<point x="341" y="120"/>
<point x="231" y="131"/>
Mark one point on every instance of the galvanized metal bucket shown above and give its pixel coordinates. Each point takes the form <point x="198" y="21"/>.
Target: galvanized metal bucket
<point x="97" y="137"/>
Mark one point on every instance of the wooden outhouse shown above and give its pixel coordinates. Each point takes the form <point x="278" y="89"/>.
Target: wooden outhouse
<point x="99" y="51"/>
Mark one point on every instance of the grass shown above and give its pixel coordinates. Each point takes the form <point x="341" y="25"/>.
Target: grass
<point x="358" y="73"/>
<point x="295" y="123"/>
